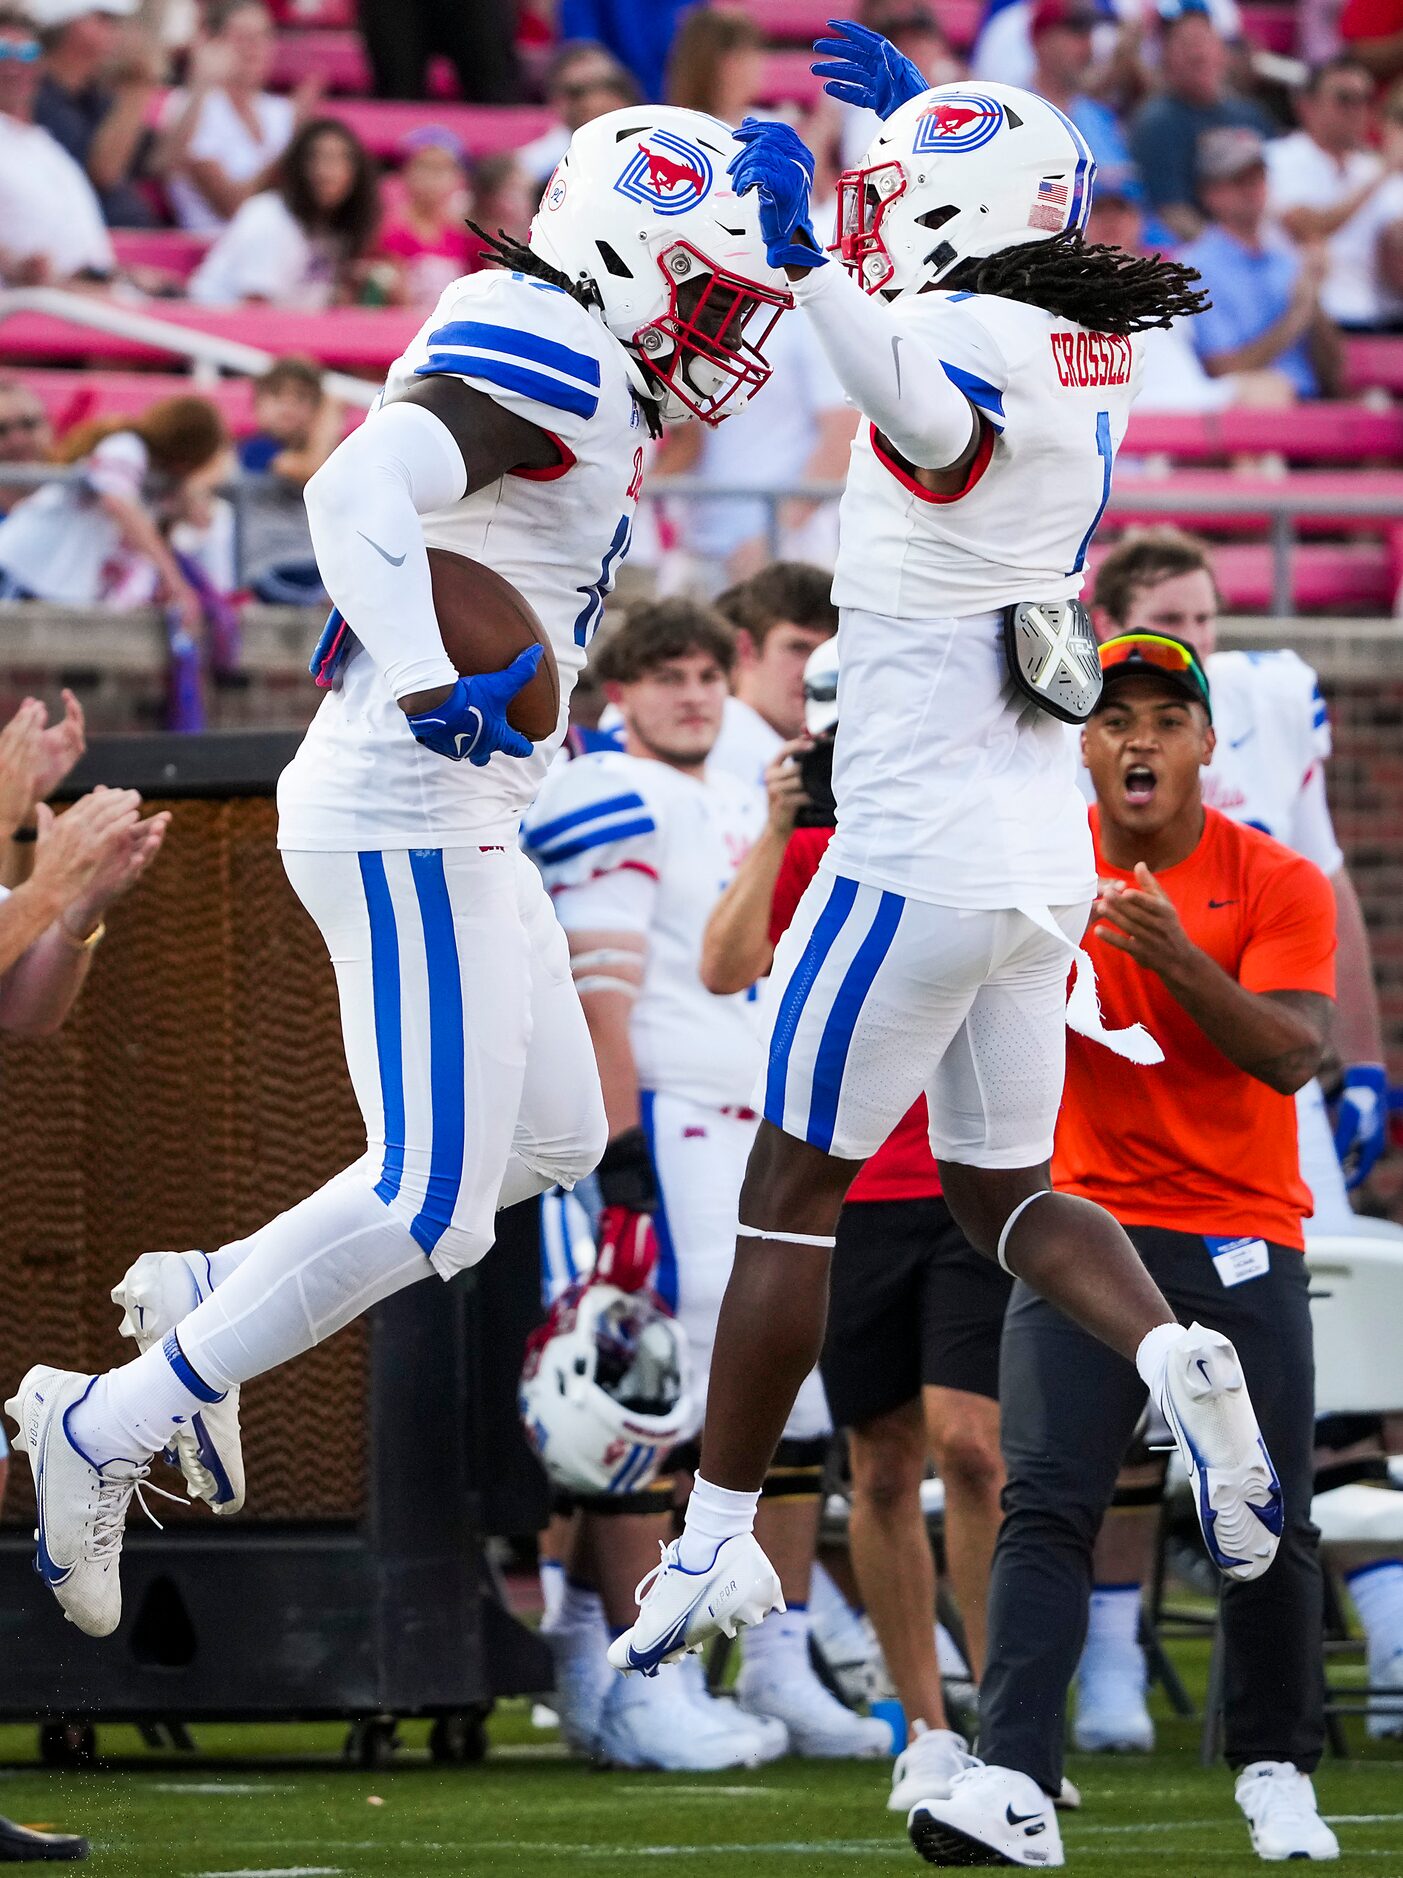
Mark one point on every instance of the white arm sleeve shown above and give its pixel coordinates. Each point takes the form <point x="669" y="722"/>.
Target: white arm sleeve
<point x="884" y="372"/>
<point x="364" y="505"/>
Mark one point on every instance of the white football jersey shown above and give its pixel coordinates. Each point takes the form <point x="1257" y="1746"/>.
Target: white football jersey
<point x="1056" y="400"/>
<point x="360" y="780"/>
<point x="1273" y="738"/>
<point x="626" y="844"/>
<point x="951" y="787"/>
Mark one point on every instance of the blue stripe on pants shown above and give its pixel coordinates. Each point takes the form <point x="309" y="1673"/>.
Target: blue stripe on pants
<point x="447" y="1073"/>
<point x="389" y="1041"/>
<point x="665" y="1281"/>
<point x="796" y="993"/>
<point x="832" y="1057"/>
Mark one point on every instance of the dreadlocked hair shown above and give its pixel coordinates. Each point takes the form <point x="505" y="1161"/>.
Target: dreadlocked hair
<point x="503" y="250"/>
<point x="1102" y="288"/>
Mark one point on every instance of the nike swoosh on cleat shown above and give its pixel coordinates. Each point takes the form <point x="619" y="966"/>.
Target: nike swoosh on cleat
<point x="395" y="560"/>
<point x="1021" y="1819"/>
<point x="1204" y="1368"/>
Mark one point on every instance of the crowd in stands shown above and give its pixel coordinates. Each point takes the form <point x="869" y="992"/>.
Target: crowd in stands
<point x="1277" y="173"/>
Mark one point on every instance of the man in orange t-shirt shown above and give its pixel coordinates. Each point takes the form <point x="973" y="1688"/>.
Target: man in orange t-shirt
<point x="1221" y="943"/>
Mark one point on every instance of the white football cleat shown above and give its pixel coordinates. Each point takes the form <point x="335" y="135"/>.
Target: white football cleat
<point x="926" y="1768"/>
<point x="1112" y="1717"/>
<point x="582" y="1680"/>
<point x="1237" y="1495"/>
<point x="653" y="1721"/>
<point x="159" y="1290"/>
<point x="819" y="1727"/>
<point x="680" y="1610"/>
<point x="1279" y="1802"/>
<point x="993" y="1816"/>
<point x="81" y="1503"/>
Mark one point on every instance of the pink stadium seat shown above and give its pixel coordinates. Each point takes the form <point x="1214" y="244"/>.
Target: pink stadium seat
<point x="351" y="339"/>
<point x="72" y="397"/>
<point x="1324" y="433"/>
<point x="1197" y="505"/>
<point x="173" y="249"/>
<point x="1355" y="577"/>
<point x="484" y="129"/>
<point x="297" y="15"/>
<point x="800" y="22"/>
<point x="1374" y="363"/>
<point x="1270" y="26"/>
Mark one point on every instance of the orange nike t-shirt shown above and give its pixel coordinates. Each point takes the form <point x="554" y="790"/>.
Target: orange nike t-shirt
<point x="1195" y="1144"/>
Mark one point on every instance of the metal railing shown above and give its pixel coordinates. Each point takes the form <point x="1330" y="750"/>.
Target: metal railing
<point x="1139" y="495"/>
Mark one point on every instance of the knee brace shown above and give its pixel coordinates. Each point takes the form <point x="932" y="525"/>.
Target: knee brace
<point x="796" y="1473"/>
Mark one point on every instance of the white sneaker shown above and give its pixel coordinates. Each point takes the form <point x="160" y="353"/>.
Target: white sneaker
<point x="844" y="1639"/>
<point x="1112" y="1717"/>
<point x="925" y="1769"/>
<point x="1236" y="1492"/>
<point x="820" y="1728"/>
<point x="1385" y="1720"/>
<point x="770" y="1738"/>
<point x="1279" y="1802"/>
<point x="680" y="1610"/>
<point x="81" y="1504"/>
<point x="652" y="1721"/>
<point x="160" y="1289"/>
<point x="992" y="1816"/>
<point x="583" y="1679"/>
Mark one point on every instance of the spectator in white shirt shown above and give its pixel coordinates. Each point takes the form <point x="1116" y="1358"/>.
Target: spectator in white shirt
<point x="1326" y="184"/>
<point x="582" y="81"/>
<point x="51" y="225"/>
<point x="297" y="244"/>
<point x="222" y="136"/>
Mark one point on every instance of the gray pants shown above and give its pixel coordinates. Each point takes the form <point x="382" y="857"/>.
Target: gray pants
<point x="1069" y="1407"/>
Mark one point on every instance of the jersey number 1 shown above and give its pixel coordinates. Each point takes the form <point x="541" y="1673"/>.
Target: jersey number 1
<point x="589" y="615"/>
<point x="1107" y="456"/>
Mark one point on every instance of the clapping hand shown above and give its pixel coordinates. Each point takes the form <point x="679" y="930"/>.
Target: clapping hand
<point x="21" y="759"/>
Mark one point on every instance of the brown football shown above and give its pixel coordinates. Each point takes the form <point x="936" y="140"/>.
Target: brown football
<point x="485" y="622"/>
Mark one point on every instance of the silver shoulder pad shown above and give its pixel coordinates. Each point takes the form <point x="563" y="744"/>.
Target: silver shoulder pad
<point x="1052" y="656"/>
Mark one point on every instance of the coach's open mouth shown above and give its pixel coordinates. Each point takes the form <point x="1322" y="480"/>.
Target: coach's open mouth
<point x="1140" y="782"/>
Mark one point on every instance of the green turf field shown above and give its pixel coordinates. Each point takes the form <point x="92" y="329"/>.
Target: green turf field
<point x="276" y="1802"/>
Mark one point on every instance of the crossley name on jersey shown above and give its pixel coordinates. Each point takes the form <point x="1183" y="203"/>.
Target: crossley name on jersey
<point x="1040" y="480"/>
<point x="629" y="845"/>
<point x="558" y="535"/>
<point x="1090" y="359"/>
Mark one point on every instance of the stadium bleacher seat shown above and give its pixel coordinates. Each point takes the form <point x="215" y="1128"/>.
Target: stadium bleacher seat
<point x="1374" y="363"/>
<point x="483" y="129"/>
<point x="1306" y="433"/>
<point x="1198" y="499"/>
<point x="1326" y="577"/>
<point x="350" y="339"/>
<point x="175" y="250"/>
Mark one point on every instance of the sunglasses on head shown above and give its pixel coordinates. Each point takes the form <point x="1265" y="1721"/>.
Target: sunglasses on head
<point x="1158" y="652"/>
<point x="22" y="51"/>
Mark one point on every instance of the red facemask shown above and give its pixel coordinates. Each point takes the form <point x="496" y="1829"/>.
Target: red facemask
<point x="716" y="325"/>
<point x="864" y="196"/>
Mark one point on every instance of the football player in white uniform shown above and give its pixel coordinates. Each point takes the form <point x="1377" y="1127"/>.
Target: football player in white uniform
<point x="995" y="356"/>
<point x="1267" y="770"/>
<point x="635" y="849"/>
<point x="511" y="431"/>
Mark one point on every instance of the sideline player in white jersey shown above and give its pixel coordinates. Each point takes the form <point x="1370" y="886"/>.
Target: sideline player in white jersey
<point x="510" y="431"/>
<point x="636" y="848"/>
<point x="931" y="951"/>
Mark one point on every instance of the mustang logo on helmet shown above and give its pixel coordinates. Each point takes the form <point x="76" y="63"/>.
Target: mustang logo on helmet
<point x="965" y="121"/>
<point x="666" y="174"/>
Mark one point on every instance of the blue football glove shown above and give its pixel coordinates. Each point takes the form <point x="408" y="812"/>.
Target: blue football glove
<point x="1361" y="1120"/>
<point x="862" y="68"/>
<point x="778" y="165"/>
<point x="472" y="720"/>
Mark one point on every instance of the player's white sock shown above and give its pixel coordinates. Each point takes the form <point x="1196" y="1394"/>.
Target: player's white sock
<point x="303" y="1276"/>
<point x="713" y="1514"/>
<point x="581" y="1607"/>
<point x="1152" y="1358"/>
<point x="1377" y="1591"/>
<point x="551" y="1573"/>
<point x="1114" y="1619"/>
<point x="780" y="1646"/>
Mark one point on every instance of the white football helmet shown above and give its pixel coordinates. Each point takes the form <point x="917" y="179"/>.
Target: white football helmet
<point x="960" y="172"/>
<point x="641" y="207"/>
<point x="821" y="688"/>
<point x="604" y="1390"/>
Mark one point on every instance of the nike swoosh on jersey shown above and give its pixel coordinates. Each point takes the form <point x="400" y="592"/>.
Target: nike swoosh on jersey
<point x="896" y="360"/>
<point x="395" y="560"/>
<point x="1215" y="904"/>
